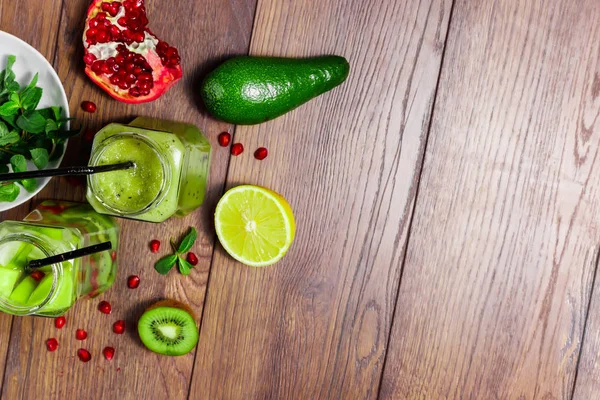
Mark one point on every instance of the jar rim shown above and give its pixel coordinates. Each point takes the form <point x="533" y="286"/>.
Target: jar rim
<point x="164" y="188"/>
<point x="57" y="272"/>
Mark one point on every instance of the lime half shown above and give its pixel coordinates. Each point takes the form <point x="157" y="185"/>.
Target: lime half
<point x="254" y="225"/>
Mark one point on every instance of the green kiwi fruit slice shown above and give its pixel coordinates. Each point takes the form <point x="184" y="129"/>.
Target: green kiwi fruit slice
<point x="168" y="328"/>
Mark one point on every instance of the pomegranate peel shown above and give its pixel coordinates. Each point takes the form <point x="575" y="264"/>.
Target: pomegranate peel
<point x="123" y="56"/>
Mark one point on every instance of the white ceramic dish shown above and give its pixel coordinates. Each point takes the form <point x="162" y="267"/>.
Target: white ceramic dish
<point x="30" y="61"/>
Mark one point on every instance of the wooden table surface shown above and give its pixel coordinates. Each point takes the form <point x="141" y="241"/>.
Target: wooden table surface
<point x="447" y="198"/>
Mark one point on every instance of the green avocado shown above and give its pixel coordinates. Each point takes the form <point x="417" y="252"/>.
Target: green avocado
<point x="250" y="90"/>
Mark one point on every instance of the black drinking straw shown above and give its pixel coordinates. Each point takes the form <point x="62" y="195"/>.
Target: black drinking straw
<point x="86" y="251"/>
<point x="44" y="173"/>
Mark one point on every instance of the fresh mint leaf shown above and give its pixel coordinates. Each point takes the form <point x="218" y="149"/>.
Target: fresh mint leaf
<point x="188" y="241"/>
<point x="9" y="108"/>
<point x="33" y="82"/>
<point x="6" y="136"/>
<point x="31" y="121"/>
<point x="29" y="184"/>
<point x="184" y="266"/>
<point x="40" y="157"/>
<point x="10" y="62"/>
<point x="18" y="163"/>
<point x="51" y="126"/>
<point x="57" y="111"/>
<point x="30" y="98"/>
<point x="9" y="192"/>
<point x="164" y="265"/>
<point x="10" y="119"/>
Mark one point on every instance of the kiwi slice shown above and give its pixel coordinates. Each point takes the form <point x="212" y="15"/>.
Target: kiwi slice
<point x="168" y="328"/>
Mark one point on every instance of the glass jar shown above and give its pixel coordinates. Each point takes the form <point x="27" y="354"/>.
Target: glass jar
<point x="54" y="228"/>
<point x="170" y="175"/>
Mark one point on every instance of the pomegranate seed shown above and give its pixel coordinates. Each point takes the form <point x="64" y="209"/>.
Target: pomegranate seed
<point x="115" y="79"/>
<point x="88" y="106"/>
<point x="91" y="32"/>
<point x="224" y="139"/>
<point x="105" y="6"/>
<point x="120" y="59"/>
<point x="80" y="334"/>
<point x="162" y="47"/>
<point x="174" y="60"/>
<point x="124" y="85"/>
<point x="101" y="16"/>
<point x="135" y="92"/>
<point x="37" y="275"/>
<point x="133" y="282"/>
<point x="89" y="59"/>
<point x="154" y="246"/>
<point x="237" y="149"/>
<point x="52" y="344"/>
<point x="109" y="353"/>
<point x="115" y="68"/>
<point x="89" y="135"/>
<point x="122" y="21"/>
<point x="102" y="37"/>
<point x="60" y="322"/>
<point x="104" y="307"/>
<point x="113" y="256"/>
<point x="97" y="66"/>
<point x="84" y="355"/>
<point x="261" y="153"/>
<point x="192" y="259"/>
<point x="93" y="23"/>
<point x="139" y="36"/>
<point x="119" y="327"/>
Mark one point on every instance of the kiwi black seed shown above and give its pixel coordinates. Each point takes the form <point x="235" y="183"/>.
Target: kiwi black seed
<point x="168" y="330"/>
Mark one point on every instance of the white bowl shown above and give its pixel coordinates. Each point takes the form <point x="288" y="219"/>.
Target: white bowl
<point x="30" y="61"/>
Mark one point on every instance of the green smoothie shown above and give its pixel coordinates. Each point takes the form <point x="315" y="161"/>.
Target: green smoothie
<point x="170" y="174"/>
<point x="135" y="188"/>
<point x="54" y="228"/>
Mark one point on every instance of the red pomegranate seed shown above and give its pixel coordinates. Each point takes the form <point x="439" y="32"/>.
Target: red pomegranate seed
<point x="80" y="334"/>
<point x="261" y="153"/>
<point x="88" y="106"/>
<point x="105" y="307"/>
<point x="109" y="353"/>
<point x="224" y="139"/>
<point x="52" y="344"/>
<point x="60" y="322"/>
<point x="192" y="259"/>
<point x="154" y="246"/>
<point x="119" y="327"/>
<point x="113" y="256"/>
<point x="84" y="355"/>
<point x="37" y="275"/>
<point x="237" y="149"/>
<point x="133" y="282"/>
<point x="89" y="135"/>
<point x="89" y="58"/>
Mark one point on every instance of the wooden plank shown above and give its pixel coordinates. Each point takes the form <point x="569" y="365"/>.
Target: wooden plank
<point x="13" y="17"/>
<point x="204" y="35"/>
<point x="501" y="256"/>
<point x="316" y="325"/>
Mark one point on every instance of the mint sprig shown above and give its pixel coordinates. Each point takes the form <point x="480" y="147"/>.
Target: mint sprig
<point x="165" y="264"/>
<point x="27" y="133"/>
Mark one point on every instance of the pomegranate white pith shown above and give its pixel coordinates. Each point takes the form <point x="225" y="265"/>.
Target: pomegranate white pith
<point x="123" y="56"/>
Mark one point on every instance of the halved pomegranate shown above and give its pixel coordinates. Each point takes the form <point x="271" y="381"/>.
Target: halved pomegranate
<point x="123" y="56"/>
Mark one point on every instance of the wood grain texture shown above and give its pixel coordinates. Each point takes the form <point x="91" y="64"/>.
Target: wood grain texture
<point x="204" y="35"/>
<point x="587" y="384"/>
<point x="505" y="235"/>
<point x="13" y="17"/>
<point x="316" y="325"/>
